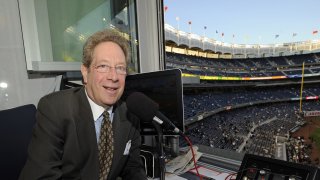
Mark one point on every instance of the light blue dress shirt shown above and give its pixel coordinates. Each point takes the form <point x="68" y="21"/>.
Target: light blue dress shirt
<point x="97" y="112"/>
<point x="98" y="122"/>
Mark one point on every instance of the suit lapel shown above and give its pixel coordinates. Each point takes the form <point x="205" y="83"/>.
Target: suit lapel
<point x="121" y="129"/>
<point x="87" y="136"/>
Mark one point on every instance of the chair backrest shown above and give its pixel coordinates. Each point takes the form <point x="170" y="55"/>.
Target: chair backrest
<point x="16" y="126"/>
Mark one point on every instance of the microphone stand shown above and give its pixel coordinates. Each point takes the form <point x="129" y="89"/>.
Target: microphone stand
<point x="160" y="150"/>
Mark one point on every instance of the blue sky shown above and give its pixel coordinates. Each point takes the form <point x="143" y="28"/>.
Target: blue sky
<point x="250" y="21"/>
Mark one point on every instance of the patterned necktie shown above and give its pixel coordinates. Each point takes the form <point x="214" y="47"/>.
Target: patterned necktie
<point x="105" y="147"/>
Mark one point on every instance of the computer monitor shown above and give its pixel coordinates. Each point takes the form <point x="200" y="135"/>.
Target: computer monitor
<point x="163" y="87"/>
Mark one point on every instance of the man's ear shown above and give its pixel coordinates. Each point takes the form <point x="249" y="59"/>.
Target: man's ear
<point x="84" y="72"/>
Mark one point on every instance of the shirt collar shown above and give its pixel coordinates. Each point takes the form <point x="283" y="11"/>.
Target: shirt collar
<point x="96" y="109"/>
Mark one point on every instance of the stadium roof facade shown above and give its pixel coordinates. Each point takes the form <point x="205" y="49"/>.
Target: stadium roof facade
<point x="194" y="41"/>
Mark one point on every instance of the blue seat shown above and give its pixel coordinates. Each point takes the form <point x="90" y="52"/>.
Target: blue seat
<point x="15" y="134"/>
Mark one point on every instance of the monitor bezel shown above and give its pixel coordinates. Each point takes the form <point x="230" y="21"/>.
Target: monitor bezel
<point x="173" y="74"/>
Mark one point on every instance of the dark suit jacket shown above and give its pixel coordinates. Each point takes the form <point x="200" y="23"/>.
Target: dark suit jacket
<point x="64" y="145"/>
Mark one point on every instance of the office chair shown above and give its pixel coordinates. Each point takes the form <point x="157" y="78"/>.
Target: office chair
<point x="15" y="134"/>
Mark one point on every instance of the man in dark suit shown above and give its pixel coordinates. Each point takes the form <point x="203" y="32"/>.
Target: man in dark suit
<point x="67" y="132"/>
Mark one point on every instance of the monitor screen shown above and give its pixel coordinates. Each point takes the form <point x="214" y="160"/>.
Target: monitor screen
<point x="163" y="87"/>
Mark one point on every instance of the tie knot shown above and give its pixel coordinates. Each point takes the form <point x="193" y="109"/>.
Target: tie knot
<point x="106" y="114"/>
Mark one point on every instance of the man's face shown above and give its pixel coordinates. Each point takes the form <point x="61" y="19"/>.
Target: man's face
<point x="105" y="88"/>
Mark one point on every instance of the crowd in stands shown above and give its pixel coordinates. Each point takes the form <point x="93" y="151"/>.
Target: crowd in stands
<point x="254" y="126"/>
<point x="257" y="67"/>
<point x="248" y="119"/>
<point x="298" y="151"/>
<point x="262" y="139"/>
<point x="207" y="101"/>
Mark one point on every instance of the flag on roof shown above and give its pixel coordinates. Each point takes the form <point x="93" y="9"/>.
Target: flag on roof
<point x="315" y="32"/>
<point x="165" y="8"/>
<point x="276" y="36"/>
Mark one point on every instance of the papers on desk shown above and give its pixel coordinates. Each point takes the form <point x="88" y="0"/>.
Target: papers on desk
<point x="211" y="173"/>
<point x="174" y="177"/>
<point x="183" y="163"/>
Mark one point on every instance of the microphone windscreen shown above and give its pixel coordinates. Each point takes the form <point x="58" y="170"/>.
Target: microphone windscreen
<point x="142" y="106"/>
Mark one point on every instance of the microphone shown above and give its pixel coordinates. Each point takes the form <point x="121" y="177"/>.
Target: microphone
<point x="146" y="109"/>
